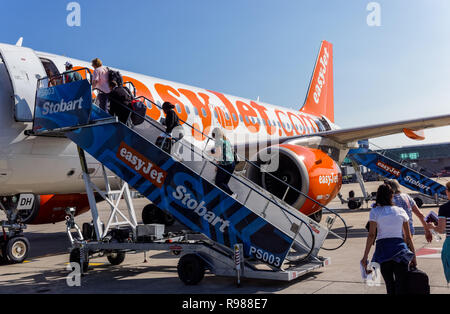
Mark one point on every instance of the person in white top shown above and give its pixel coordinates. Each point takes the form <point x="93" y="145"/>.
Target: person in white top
<point x="100" y="80"/>
<point x="394" y="249"/>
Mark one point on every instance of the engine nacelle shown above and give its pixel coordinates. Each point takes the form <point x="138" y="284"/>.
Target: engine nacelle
<point x="51" y="208"/>
<point x="310" y="171"/>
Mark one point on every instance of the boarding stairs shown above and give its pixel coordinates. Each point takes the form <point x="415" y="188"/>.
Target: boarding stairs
<point x="390" y="168"/>
<point x="182" y="182"/>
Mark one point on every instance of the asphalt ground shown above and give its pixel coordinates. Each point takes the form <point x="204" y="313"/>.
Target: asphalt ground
<point x="45" y="270"/>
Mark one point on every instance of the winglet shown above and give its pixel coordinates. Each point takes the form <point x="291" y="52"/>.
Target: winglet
<point x="19" y="42"/>
<point x="320" y="99"/>
<point x="417" y="135"/>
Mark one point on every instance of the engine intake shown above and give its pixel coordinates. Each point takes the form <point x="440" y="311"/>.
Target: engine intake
<point x="310" y="171"/>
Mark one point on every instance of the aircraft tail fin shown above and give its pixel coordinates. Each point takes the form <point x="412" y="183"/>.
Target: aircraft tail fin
<point x="319" y="98"/>
<point x="19" y="42"/>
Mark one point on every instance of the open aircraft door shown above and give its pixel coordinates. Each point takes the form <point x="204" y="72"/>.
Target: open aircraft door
<point x="24" y="69"/>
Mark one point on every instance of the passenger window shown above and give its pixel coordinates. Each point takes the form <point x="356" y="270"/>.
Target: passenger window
<point x="188" y="110"/>
<point x="178" y="108"/>
<point x="204" y="112"/>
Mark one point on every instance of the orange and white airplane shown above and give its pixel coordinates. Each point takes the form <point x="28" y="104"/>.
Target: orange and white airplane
<point x="311" y="146"/>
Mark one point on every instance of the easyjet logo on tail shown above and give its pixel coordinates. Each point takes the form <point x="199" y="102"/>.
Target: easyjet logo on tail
<point x="141" y="164"/>
<point x="321" y="78"/>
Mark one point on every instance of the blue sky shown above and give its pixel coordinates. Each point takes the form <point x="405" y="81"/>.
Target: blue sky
<point x="267" y="48"/>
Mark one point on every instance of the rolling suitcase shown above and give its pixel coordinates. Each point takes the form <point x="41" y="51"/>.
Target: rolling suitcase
<point x="165" y="143"/>
<point x="418" y="282"/>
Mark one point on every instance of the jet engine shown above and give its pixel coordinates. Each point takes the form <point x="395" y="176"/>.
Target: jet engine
<point x="310" y="171"/>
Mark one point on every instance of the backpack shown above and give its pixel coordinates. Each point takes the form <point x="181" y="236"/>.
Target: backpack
<point x="115" y="76"/>
<point x="139" y="111"/>
<point x="235" y="156"/>
<point x="130" y="94"/>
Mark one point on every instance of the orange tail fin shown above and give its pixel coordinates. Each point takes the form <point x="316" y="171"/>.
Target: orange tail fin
<point x="319" y="99"/>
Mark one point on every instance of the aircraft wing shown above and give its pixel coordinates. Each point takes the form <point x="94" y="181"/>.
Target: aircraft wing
<point x="351" y="135"/>
<point x="344" y="136"/>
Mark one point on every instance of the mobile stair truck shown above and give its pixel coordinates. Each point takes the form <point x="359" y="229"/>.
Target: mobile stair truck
<point x="427" y="191"/>
<point x="253" y="235"/>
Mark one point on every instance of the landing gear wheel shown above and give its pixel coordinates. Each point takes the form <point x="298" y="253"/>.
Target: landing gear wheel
<point x="153" y="214"/>
<point x="191" y="269"/>
<point x="317" y="216"/>
<point x="116" y="257"/>
<point x="75" y="258"/>
<point x="352" y="204"/>
<point x="149" y="214"/>
<point x="17" y="249"/>
<point x="167" y="218"/>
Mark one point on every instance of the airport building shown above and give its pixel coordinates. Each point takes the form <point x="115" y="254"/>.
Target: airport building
<point x="432" y="160"/>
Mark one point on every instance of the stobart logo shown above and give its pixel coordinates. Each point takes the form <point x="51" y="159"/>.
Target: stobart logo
<point x="62" y="106"/>
<point x="141" y="164"/>
<point x="417" y="183"/>
<point x="191" y="203"/>
<point x="321" y="78"/>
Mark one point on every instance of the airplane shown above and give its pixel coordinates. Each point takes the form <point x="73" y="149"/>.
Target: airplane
<point x="41" y="176"/>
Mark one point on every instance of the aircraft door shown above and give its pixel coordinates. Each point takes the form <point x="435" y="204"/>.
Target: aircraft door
<point x="24" y="69"/>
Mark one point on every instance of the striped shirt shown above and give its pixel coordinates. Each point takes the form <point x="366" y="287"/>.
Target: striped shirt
<point x="405" y="201"/>
<point x="444" y="212"/>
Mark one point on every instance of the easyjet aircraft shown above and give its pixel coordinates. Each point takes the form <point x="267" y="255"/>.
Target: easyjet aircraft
<point x="311" y="147"/>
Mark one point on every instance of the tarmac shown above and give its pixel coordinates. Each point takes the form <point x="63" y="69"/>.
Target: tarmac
<point x="45" y="271"/>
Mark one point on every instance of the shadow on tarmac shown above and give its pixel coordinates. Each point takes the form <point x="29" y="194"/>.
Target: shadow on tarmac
<point x="129" y="279"/>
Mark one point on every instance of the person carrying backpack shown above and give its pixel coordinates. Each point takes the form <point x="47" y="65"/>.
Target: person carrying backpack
<point x="69" y="75"/>
<point x="119" y="100"/>
<point x="172" y="120"/>
<point x="223" y="152"/>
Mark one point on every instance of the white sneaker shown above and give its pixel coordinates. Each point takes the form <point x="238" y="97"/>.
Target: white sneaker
<point x="234" y="195"/>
